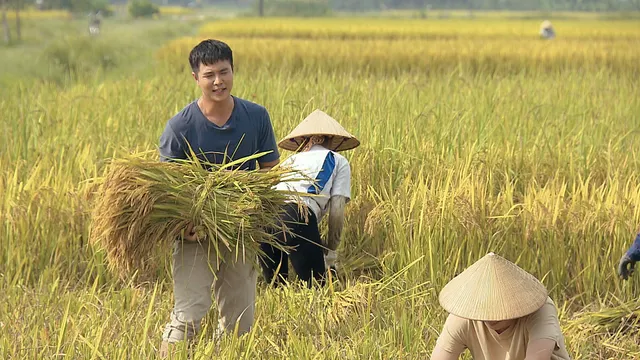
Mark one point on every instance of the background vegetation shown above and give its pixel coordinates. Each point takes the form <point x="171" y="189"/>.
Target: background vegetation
<point x="476" y="136"/>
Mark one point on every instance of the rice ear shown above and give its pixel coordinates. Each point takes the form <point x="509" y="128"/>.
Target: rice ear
<point x="142" y="206"/>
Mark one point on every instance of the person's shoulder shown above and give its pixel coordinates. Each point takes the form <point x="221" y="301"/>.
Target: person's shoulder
<point x="251" y="108"/>
<point x="340" y="159"/>
<point x="459" y="327"/>
<point x="457" y="322"/>
<point x="546" y="311"/>
<point x="181" y="121"/>
<point x="549" y="305"/>
<point x="337" y="155"/>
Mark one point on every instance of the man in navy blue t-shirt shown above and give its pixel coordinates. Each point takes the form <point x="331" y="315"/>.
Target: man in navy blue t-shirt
<point x="221" y="128"/>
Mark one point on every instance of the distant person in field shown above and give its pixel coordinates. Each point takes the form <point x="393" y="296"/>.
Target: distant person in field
<point x="220" y="128"/>
<point x="317" y="141"/>
<point x="94" y="23"/>
<point x="628" y="261"/>
<point x="546" y="30"/>
<point x="498" y="311"/>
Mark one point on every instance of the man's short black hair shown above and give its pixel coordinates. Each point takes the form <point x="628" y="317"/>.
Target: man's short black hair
<point x="209" y="52"/>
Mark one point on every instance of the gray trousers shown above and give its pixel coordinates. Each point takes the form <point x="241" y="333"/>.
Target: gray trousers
<point x="234" y="289"/>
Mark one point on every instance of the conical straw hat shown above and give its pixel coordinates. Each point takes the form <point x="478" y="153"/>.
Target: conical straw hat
<point x="319" y="123"/>
<point x="493" y="289"/>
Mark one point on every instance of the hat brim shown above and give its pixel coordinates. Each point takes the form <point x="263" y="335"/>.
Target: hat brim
<point x="337" y="143"/>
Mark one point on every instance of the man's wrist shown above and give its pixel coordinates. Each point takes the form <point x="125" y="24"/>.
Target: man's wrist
<point x="330" y="258"/>
<point x="634" y="251"/>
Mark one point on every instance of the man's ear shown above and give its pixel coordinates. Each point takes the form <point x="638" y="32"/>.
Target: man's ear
<point x="195" y="76"/>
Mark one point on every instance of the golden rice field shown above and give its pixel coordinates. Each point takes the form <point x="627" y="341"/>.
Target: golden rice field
<point x="475" y="138"/>
<point x="393" y="29"/>
<point x="175" y="10"/>
<point x="431" y="46"/>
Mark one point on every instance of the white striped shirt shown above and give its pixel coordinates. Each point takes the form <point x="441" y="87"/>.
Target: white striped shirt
<point x="329" y="175"/>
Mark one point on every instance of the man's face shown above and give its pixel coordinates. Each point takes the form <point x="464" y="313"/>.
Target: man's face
<point x="215" y="81"/>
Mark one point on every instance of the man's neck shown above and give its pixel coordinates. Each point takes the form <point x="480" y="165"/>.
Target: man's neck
<point x="216" y="112"/>
<point x="212" y="108"/>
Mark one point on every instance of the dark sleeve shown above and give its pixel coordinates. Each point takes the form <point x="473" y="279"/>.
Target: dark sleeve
<point x="171" y="145"/>
<point x="634" y="250"/>
<point x="267" y="140"/>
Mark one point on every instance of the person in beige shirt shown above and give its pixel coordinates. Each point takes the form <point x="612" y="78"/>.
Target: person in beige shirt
<point x="498" y="311"/>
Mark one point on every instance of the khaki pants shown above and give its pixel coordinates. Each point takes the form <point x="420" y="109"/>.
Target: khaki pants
<point x="234" y="288"/>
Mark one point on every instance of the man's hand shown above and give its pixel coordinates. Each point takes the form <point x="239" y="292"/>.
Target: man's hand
<point x="266" y="166"/>
<point x="330" y="260"/>
<point x="626" y="267"/>
<point x="190" y="233"/>
<point x="629" y="259"/>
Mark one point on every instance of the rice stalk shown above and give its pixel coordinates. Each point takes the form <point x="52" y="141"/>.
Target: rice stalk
<point x="143" y="205"/>
<point x="622" y="318"/>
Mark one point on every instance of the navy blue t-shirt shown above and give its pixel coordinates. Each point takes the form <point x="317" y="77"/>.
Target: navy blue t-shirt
<point x="247" y="132"/>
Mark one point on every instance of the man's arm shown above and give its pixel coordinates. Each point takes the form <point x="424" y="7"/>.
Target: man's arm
<point x="540" y="349"/>
<point x="336" y="220"/>
<point x="634" y="250"/>
<point x="441" y="354"/>
<point x="628" y="261"/>
<point x="545" y="333"/>
<point x="339" y="196"/>
<point x="171" y="145"/>
<point x="267" y="142"/>
<point x="451" y="341"/>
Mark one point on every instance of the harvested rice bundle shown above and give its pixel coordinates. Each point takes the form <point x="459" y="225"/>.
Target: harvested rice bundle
<point x="143" y="205"/>
<point x="621" y="318"/>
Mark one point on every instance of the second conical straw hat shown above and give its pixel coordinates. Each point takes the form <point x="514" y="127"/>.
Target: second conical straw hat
<point x="319" y="123"/>
<point x="493" y="289"/>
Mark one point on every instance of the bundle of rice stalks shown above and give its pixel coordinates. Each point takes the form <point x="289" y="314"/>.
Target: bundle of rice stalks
<point x="143" y="205"/>
<point x="622" y="318"/>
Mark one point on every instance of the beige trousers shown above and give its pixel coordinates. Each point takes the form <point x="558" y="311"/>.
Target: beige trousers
<point x="234" y="289"/>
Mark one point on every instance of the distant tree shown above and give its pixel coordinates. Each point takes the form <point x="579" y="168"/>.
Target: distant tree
<point x="5" y="23"/>
<point x="17" y="5"/>
<point x="143" y="8"/>
<point x="303" y="8"/>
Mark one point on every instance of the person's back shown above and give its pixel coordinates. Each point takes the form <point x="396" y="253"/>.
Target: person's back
<point x="327" y="172"/>
<point x="324" y="189"/>
<point x="546" y="30"/>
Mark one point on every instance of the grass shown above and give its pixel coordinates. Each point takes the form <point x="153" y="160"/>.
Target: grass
<point x="33" y="14"/>
<point x="62" y="51"/>
<point x="539" y="165"/>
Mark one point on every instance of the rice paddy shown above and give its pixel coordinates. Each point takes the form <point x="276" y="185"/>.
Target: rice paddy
<point x="476" y="136"/>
